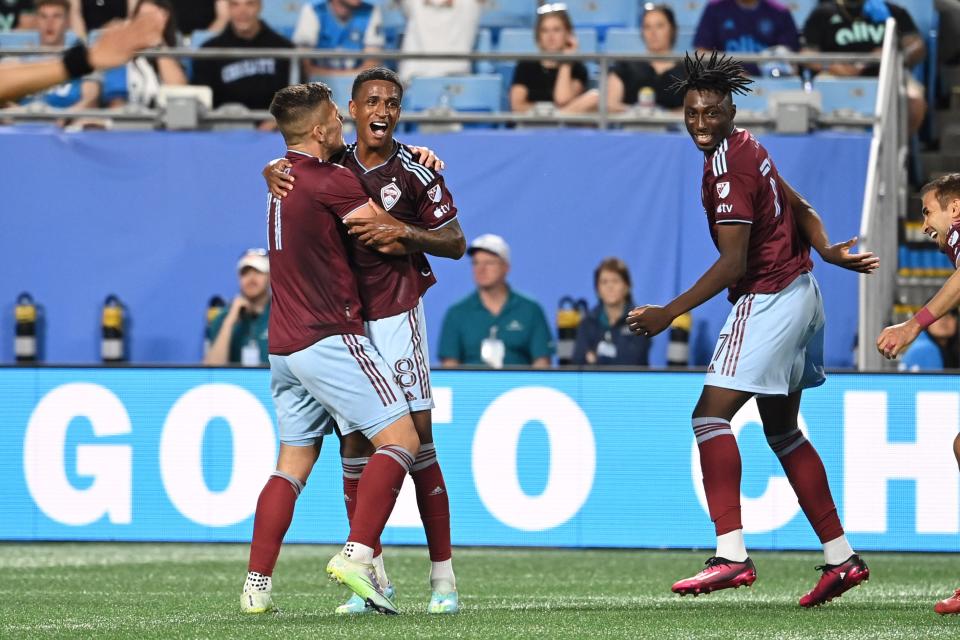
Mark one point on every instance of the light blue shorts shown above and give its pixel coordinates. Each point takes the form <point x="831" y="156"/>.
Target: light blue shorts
<point x="340" y="377"/>
<point x="772" y="344"/>
<point x="402" y="341"/>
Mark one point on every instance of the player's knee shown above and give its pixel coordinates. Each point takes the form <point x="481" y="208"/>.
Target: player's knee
<point x="400" y="433"/>
<point x="355" y="445"/>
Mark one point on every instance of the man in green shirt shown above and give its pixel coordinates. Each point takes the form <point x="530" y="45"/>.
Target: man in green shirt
<point x="495" y="325"/>
<point x="238" y="335"/>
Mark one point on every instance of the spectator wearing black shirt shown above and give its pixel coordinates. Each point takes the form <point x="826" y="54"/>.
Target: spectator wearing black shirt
<point x="858" y="26"/>
<point x="603" y="337"/>
<point x="16" y="14"/>
<point x="206" y="15"/>
<point x="252" y="81"/>
<point x="549" y="81"/>
<point x="90" y="15"/>
<point x="641" y="82"/>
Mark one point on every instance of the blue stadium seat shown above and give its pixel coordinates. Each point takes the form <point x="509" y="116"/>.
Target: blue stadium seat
<point x="684" y="40"/>
<point x="514" y="40"/>
<point x="800" y="10"/>
<point x="848" y="94"/>
<point x="342" y="87"/>
<point x="484" y="44"/>
<point x="394" y="23"/>
<point x="603" y="13"/>
<point x="462" y="93"/>
<point x="281" y="15"/>
<point x="762" y="88"/>
<point x="688" y="12"/>
<point x="19" y="39"/>
<point x="624" y="40"/>
<point x="498" y="14"/>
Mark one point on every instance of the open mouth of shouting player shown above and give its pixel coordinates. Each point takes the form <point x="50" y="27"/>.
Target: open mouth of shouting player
<point x="376" y="109"/>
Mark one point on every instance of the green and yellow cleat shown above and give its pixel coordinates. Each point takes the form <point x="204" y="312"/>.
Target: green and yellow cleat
<point x="362" y="580"/>
<point x="444" y="603"/>
<point x="256" y="596"/>
<point x="357" y="606"/>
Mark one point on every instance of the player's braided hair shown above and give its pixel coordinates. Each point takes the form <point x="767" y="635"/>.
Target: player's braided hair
<point x="718" y="73"/>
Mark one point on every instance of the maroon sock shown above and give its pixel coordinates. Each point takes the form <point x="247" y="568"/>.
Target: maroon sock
<point x="720" y="462"/>
<point x="352" y="470"/>
<point x="806" y="474"/>
<point x="270" y="524"/>
<point x="432" y="502"/>
<point x="377" y="493"/>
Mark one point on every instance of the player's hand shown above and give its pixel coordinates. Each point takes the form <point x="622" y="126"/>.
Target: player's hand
<point x="649" y="320"/>
<point x="839" y="254"/>
<point x="279" y="182"/>
<point x="428" y="158"/>
<point x="119" y="42"/>
<point x="382" y="232"/>
<point x="894" y="340"/>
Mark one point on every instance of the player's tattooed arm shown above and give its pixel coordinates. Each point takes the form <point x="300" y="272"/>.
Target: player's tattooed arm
<point x="894" y="340"/>
<point x="445" y="242"/>
<point x="811" y="228"/>
<point x="385" y="233"/>
<point x="733" y="241"/>
<point x="279" y="182"/>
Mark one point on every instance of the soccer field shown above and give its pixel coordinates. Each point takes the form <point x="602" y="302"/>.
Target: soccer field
<point x="192" y="591"/>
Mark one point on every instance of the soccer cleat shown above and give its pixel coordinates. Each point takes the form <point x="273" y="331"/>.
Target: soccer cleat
<point x="356" y="605"/>
<point x="256" y="594"/>
<point x="444" y="602"/>
<point x="836" y="579"/>
<point x="362" y="580"/>
<point x="950" y="606"/>
<point x="719" y="574"/>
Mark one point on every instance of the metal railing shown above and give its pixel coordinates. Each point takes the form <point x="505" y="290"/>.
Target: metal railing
<point x="885" y="196"/>
<point x="602" y="118"/>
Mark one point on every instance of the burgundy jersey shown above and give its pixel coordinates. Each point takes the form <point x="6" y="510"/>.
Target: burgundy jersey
<point x="314" y="289"/>
<point x="953" y="245"/>
<point x="741" y="185"/>
<point x="412" y="194"/>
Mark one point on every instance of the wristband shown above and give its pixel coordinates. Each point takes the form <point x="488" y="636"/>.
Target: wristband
<point x="76" y="62"/>
<point x="924" y="318"/>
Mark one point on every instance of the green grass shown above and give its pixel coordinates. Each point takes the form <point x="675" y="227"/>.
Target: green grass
<point x="192" y="591"/>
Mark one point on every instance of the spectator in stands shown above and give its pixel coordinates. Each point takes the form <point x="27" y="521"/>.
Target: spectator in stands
<point x="641" y="82"/>
<point x="201" y="15"/>
<point x="252" y="81"/>
<point x="438" y="26"/>
<point x="746" y="26"/>
<point x="936" y="348"/>
<point x="603" y="337"/>
<point x="17" y="14"/>
<point x="238" y="335"/>
<point x="495" y="325"/>
<point x="90" y="15"/>
<point x="858" y="26"/>
<point x="352" y="25"/>
<point x="549" y="81"/>
<point x="139" y="81"/>
<point x="83" y="93"/>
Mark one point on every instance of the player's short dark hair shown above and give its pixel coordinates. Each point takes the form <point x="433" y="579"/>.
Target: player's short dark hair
<point x="376" y="73"/>
<point x="667" y="14"/>
<point x="291" y="104"/>
<point x="613" y="265"/>
<point x="945" y="188"/>
<point x="718" y="74"/>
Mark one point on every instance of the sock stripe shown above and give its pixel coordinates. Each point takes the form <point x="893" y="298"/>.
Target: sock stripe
<point x="708" y="428"/>
<point x="296" y="484"/>
<point x="784" y="445"/>
<point x="426" y="457"/>
<point x="353" y="467"/>
<point x="399" y="454"/>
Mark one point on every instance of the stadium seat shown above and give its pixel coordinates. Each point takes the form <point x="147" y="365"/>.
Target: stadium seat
<point x="687" y="12"/>
<point x="461" y="93"/>
<point x="603" y="13"/>
<point x="800" y="9"/>
<point x="684" y="40"/>
<point x="498" y="14"/>
<point x="515" y="40"/>
<point x="624" y="40"/>
<point x="281" y="15"/>
<point x="19" y="39"/>
<point x="342" y="87"/>
<point x="394" y="23"/>
<point x="848" y="94"/>
<point x="762" y="88"/>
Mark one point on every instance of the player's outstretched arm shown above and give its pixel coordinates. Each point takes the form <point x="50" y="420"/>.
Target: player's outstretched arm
<point x="894" y="340"/>
<point x="732" y="240"/>
<point x="811" y="228"/>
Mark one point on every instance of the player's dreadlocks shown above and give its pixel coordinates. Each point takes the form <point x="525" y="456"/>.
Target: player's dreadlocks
<point x="719" y="73"/>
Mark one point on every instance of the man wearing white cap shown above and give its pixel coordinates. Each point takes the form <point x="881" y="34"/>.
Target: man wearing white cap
<point x="238" y="335"/>
<point x="495" y="325"/>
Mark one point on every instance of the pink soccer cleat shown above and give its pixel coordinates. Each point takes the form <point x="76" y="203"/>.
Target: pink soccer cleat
<point x="719" y="574"/>
<point x="949" y="606"/>
<point x="836" y="579"/>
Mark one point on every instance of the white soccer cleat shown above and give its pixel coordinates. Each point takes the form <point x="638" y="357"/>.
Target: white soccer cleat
<point x="256" y="596"/>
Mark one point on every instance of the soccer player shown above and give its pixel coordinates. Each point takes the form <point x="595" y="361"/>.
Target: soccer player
<point x="422" y="218"/>
<point x="321" y="362"/>
<point x="941" y="221"/>
<point x="771" y="346"/>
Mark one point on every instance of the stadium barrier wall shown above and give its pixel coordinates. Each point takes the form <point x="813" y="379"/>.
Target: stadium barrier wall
<point x="564" y="459"/>
<point x="160" y="219"/>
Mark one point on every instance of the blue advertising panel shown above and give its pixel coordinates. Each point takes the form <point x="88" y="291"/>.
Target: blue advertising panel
<point x="567" y="459"/>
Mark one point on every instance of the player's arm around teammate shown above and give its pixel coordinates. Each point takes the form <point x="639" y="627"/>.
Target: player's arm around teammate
<point x="383" y="232"/>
